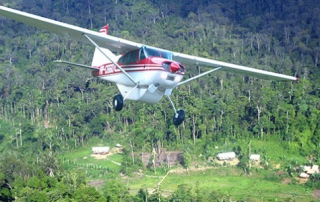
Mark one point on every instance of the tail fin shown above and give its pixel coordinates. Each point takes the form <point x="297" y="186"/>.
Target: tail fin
<point x="104" y="29"/>
<point x="100" y="59"/>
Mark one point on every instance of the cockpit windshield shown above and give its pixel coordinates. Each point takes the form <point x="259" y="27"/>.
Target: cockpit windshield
<point x="149" y="52"/>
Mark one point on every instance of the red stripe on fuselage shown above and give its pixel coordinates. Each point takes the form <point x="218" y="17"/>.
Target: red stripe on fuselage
<point x="108" y="70"/>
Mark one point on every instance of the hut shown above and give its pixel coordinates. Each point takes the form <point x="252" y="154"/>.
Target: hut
<point x="100" y="150"/>
<point x="226" y="156"/>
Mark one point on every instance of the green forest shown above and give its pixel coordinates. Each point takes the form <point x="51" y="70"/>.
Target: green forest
<point x="47" y="110"/>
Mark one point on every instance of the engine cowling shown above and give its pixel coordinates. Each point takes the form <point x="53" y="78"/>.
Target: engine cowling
<point x="174" y="67"/>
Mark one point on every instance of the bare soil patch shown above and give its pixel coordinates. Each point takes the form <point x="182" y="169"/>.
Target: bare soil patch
<point x="301" y="180"/>
<point x="286" y="181"/>
<point x="96" y="183"/>
<point x="112" y="151"/>
<point x="316" y="193"/>
<point x="162" y="157"/>
<point x="99" y="156"/>
<point x="232" y="162"/>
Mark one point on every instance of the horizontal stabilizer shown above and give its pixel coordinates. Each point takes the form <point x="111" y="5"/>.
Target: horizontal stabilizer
<point x="75" y="64"/>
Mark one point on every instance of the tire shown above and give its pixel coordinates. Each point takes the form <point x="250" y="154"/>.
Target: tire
<point x="178" y="118"/>
<point x="118" y="102"/>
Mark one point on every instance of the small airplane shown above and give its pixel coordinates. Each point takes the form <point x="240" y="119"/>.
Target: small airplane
<point x="142" y="73"/>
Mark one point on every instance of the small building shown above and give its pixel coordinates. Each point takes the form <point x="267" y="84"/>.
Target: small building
<point x="304" y="175"/>
<point x="100" y="150"/>
<point x="307" y="171"/>
<point x="118" y="145"/>
<point x="306" y="168"/>
<point x="254" y="157"/>
<point x="310" y="172"/>
<point x="226" y="156"/>
<point x="315" y="168"/>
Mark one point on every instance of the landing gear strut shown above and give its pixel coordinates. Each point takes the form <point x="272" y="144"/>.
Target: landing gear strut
<point x="179" y="115"/>
<point x="118" y="102"/>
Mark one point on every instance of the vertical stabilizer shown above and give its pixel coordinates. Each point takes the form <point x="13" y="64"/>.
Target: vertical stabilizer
<point x="104" y="29"/>
<point x="100" y="59"/>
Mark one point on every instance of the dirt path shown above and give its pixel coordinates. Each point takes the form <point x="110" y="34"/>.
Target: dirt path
<point x="164" y="177"/>
<point x="117" y="163"/>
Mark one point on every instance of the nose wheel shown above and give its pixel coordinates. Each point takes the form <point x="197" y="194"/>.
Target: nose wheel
<point x="178" y="117"/>
<point x="118" y="102"/>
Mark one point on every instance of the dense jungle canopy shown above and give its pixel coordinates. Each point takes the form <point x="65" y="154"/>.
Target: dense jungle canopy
<point x="47" y="108"/>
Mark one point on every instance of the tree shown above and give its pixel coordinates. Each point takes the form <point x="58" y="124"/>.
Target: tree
<point x="86" y="193"/>
<point x="143" y="195"/>
<point x="116" y="191"/>
<point x="186" y="160"/>
<point x="5" y="189"/>
<point x="183" y="193"/>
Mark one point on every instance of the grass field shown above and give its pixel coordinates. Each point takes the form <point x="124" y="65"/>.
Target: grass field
<point x="230" y="182"/>
<point x="82" y="160"/>
<point x="275" y="151"/>
<point x="262" y="185"/>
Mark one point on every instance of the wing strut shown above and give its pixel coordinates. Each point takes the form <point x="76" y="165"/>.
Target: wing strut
<point x="200" y="75"/>
<point x="118" y="66"/>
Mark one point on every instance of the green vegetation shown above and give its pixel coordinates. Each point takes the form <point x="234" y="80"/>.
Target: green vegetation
<point x="51" y="115"/>
<point x="223" y="182"/>
<point x="227" y="183"/>
<point x="81" y="160"/>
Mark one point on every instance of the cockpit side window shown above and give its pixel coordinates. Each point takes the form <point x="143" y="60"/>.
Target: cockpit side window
<point x="129" y="57"/>
<point x="132" y="57"/>
<point x="123" y="59"/>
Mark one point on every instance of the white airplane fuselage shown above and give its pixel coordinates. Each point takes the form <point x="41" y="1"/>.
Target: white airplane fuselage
<point x="154" y="81"/>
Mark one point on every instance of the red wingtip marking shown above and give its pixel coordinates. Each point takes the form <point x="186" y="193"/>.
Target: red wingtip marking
<point x="297" y="79"/>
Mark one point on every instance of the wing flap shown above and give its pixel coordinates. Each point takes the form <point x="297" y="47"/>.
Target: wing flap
<point x="229" y="67"/>
<point x="70" y="31"/>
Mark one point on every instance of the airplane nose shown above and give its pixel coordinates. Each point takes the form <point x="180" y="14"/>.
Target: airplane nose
<point x="174" y="67"/>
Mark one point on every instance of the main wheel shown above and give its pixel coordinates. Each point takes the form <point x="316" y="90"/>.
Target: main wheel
<point x="178" y="117"/>
<point x="118" y="102"/>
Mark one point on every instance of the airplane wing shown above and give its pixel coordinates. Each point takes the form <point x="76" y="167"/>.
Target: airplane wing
<point x="122" y="46"/>
<point x="228" y="67"/>
<point x="70" y="31"/>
